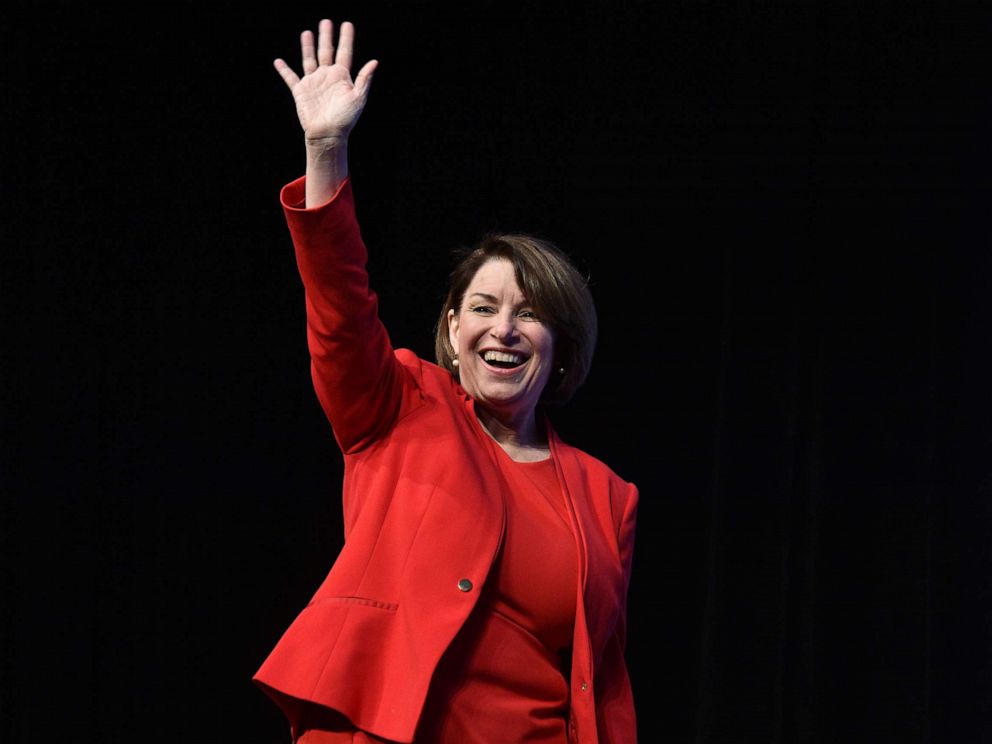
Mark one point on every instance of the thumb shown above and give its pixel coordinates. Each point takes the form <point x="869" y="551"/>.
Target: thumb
<point x="363" y="81"/>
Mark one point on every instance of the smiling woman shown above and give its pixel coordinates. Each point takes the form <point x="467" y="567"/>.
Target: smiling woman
<point x="556" y="291"/>
<point x="506" y="354"/>
<point x="513" y="348"/>
<point x="481" y="593"/>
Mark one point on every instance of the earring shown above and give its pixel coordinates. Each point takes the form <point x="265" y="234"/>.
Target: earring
<point x="561" y="370"/>
<point x="454" y="362"/>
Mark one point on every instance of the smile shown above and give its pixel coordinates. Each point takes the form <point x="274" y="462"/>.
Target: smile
<point x="502" y="359"/>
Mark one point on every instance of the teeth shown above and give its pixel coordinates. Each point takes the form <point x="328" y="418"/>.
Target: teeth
<point x="502" y="356"/>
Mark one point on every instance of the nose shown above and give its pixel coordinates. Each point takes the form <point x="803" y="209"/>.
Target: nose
<point x="504" y="326"/>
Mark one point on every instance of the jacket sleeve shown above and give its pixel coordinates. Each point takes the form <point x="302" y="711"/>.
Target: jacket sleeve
<point x="615" y="717"/>
<point x="357" y="378"/>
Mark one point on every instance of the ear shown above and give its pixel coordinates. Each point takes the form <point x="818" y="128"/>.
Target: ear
<point x="453" y="330"/>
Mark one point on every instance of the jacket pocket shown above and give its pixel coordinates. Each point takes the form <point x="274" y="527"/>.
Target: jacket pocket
<point x="362" y="601"/>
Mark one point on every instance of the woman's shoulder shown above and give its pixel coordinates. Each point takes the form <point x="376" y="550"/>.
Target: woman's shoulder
<point x="432" y="381"/>
<point x="593" y="466"/>
<point x="612" y="496"/>
<point x="423" y="370"/>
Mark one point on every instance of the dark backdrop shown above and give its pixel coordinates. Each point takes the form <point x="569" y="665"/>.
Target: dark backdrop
<point x="783" y="209"/>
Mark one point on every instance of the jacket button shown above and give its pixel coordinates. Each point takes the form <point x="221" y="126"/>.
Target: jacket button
<point x="465" y="585"/>
<point x="584" y="686"/>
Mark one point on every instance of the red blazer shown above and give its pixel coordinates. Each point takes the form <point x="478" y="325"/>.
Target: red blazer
<point x="423" y="513"/>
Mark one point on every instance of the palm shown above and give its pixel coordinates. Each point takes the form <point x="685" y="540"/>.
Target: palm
<point x="328" y="101"/>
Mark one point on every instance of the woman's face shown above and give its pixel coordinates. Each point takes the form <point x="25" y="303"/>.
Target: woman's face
<point x="505" y="351"/>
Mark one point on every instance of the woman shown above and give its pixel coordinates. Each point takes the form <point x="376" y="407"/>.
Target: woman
<point x="480" y="595"/>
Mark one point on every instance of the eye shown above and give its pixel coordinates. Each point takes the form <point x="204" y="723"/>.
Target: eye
<point x="481" y="309"/>
<point x="527" y="315"/>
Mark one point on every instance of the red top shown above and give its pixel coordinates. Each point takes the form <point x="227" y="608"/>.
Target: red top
<point x="503" y="678"/>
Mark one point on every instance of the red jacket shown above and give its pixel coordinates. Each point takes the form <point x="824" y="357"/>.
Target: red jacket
<point x="424" y="511"/>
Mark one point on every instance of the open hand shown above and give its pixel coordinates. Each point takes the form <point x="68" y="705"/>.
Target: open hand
<point x="328" y="101"/>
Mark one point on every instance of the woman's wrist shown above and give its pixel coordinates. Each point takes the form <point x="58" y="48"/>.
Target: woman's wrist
<point x="326" y="143"/>
<point x="327" y="168"/>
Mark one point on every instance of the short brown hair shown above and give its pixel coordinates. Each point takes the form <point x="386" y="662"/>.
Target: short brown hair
<point x="559" y="293"/>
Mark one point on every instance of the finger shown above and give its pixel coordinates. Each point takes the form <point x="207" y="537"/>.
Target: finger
<point x="363" y="80"/>
<point x="306" y="48"/>
<point x="325" y="43"/>
<point x="286" y="72"/>
<point x="346" y="41"/>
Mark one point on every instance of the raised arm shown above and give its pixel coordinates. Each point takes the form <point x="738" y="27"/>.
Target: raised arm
<point x="356" y="375"/>
<point x="328" y="103"/>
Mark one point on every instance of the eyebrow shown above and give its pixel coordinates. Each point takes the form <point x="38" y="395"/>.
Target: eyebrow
<point x="495" y="300"/>
<point x="486" y="297"/>
<point x="489" y="297"/>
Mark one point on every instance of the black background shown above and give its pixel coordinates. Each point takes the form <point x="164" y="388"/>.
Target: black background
<point x="783" y="211"/>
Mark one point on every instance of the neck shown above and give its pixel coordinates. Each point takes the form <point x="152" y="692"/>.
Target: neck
<point x="520" y="437"/>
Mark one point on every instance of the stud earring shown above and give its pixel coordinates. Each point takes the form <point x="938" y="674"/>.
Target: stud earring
<point x="454" y="362"/>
